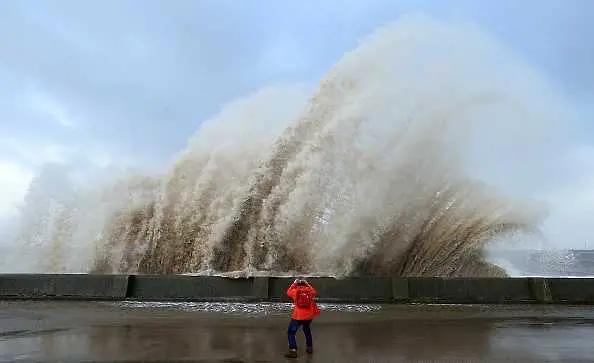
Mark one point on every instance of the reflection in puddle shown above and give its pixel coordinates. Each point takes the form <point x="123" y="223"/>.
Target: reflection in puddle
<point x="135" y="331"/>
<point x="550" y="342"/>
<point x="176" y="340"/>
<point x="59" y="343"/>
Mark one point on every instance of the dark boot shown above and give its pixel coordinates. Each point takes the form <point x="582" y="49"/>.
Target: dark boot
<point x="292" y="353"/>
<point x="309" y="350"/>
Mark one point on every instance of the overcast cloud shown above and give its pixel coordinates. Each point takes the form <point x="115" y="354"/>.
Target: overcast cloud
<point x="115" y="82"/>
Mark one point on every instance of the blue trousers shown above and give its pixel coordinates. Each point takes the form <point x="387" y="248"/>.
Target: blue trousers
<point x="292" y="331"/>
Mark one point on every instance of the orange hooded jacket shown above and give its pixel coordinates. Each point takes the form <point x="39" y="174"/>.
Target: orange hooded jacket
<point x="300" y="313"/>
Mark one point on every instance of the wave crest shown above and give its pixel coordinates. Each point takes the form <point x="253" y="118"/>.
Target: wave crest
<point x="369" y="175"/>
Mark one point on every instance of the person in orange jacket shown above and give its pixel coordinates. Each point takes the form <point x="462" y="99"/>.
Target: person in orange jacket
<point x="305" y="308"/>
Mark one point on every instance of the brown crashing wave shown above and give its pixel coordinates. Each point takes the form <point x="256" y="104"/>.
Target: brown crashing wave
<point x="316" y="202"/>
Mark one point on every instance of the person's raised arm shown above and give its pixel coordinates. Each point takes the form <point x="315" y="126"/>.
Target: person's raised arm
<point x="292" y="290"/>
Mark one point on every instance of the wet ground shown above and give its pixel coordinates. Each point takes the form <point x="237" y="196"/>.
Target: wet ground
<point x="92" y="331"/>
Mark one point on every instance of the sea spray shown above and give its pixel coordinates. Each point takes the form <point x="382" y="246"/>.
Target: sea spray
<point x="369" y="174"/>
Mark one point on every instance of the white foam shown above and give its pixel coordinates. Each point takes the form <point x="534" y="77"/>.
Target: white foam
<point x="242" y="308"/>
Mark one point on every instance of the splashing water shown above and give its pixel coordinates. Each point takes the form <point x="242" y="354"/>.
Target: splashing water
<point x="370" y="174"/>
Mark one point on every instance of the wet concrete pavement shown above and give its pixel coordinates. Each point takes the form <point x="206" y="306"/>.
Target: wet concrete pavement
<point x="92" y="331"/>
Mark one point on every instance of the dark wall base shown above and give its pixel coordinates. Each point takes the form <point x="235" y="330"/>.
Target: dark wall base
<point x="351" y="290"/>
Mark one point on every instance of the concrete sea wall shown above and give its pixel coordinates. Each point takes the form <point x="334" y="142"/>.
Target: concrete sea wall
<point x="351" y="290"/>
<point x="54" y="286"/>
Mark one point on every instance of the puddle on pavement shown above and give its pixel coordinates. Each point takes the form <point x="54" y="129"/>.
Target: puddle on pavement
<point x="197" y="332"/>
